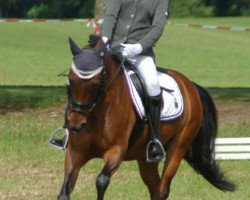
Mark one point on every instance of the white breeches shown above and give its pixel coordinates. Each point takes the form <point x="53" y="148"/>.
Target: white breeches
<point x="147" y="70"/>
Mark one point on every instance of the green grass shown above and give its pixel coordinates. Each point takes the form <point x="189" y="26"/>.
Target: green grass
<point x="210" y="58"/>
<point x="35" y="53"/>
<point x="216" y="21"/>
<point x="230" y="94"/>
<point x="23" y="97"/>
<point x="234" y="129"/>
<point x="30" y="169"/>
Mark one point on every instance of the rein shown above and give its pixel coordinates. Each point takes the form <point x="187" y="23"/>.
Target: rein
<point x="116" y="75"/>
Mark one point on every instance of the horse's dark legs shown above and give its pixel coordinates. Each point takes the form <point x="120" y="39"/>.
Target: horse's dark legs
<point x="73" y="163"/>
<point x="112" y="159"/>
<point x="150" y="176"/>
<point x="102" y="182"/>
<point x="67" y="188"/>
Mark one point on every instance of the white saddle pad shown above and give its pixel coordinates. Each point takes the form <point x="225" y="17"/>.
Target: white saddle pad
<point x="173" y="100"/>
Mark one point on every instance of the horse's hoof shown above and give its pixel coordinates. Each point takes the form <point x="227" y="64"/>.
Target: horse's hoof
<point x="63" y="197"/>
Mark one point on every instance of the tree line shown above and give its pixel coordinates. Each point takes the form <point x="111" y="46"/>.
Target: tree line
<point x="46" y="8"/>
<point x="91" y="8"/>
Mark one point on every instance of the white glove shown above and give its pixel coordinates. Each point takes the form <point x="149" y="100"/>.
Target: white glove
<point x="130" y="50"/>
<point x="104" y="39"/>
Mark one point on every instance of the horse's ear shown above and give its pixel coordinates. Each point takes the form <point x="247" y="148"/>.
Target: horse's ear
<point x="74" y="48"/>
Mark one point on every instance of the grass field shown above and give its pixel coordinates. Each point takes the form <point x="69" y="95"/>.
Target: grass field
<point x="219" y="21"/>
<point x="30" y="169"/>
<point x="34" y="54"/>
<point x="32" y="101"/>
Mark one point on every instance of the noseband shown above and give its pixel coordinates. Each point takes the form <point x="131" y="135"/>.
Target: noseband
<point x="81" y="107"/>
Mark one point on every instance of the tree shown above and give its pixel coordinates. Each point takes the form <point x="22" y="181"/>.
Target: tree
<point x="230" y="7"/>
<point x="47" y="8"/>
<point x="100" y="7"/>
<point x="96" y="8"/>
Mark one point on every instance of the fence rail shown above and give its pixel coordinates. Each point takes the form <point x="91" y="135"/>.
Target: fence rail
<point x="232" y="148"/>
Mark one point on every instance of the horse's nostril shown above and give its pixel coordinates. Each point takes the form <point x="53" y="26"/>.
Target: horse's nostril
<point x="74" y="129"/>
<point x="83" y="125"/>
<point x="77" y="128"/>
<point x="76" y="121"/>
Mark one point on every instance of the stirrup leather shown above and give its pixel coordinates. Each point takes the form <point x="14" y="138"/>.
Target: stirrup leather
<point x="158" y="143"/>
<point x="54" y="138"/>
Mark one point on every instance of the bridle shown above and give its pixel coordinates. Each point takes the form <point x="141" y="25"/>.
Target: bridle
<point x="86" y="107"/>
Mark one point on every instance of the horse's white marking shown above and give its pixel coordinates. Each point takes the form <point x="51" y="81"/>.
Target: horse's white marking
<point x="87" y="74"/>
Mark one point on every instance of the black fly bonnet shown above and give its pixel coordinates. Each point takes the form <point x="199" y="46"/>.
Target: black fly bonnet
<point x="87" y="62"/>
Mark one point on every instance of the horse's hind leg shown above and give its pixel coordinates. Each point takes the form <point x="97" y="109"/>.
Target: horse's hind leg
<point x="150" y="176"/>
<point x="112" y="158"/>
<point x="73" y="163"/>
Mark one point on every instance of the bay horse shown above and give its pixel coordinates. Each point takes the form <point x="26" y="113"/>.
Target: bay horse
<point x="101" y="118"/>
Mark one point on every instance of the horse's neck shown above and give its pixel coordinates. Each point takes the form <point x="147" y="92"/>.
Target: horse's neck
<point x="114" y="75"/>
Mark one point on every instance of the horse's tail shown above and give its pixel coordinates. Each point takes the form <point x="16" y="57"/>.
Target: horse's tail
<point x="201" y="154"/>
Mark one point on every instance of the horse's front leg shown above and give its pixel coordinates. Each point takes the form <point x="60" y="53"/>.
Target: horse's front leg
<point x="112" y="158"/>
<point x="73" y="163"/>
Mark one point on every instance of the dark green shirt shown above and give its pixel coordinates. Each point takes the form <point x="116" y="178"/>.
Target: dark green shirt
<point x="128" y="21"/>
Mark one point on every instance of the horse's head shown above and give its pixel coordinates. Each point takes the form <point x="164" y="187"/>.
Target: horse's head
<point x="85" y="83"/>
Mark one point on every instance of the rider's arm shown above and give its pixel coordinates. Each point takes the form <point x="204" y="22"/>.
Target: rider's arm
<point x="110" y="18"/>
<point x="159" y="20"/>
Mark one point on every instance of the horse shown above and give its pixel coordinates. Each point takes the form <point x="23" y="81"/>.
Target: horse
<point x="101" y="119"/>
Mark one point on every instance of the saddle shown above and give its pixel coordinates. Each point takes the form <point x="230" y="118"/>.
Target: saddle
<point x="172" y="107"/>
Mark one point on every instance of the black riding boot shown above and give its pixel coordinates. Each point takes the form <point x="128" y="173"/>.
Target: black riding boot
<point x="155" y="150"/>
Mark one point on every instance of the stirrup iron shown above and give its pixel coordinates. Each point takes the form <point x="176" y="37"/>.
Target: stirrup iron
<point x="54" y="137"/>
<point x="158" y="143"/>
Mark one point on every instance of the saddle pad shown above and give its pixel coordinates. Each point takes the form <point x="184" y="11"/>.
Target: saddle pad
<point x="173" y="100"/>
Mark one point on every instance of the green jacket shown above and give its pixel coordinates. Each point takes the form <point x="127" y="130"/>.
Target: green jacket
<point x="128" y="21"/>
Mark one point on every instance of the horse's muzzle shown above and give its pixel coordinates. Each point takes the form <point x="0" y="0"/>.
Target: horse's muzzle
<point x="77" y="128"/>
<point x="76" y="122"/>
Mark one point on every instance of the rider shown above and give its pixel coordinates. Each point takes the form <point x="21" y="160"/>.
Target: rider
<point x="135" y="26"/>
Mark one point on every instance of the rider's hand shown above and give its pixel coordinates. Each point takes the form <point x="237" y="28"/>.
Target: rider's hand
<point x="106" y="42"/>
<point x="104" y="39"/>
<point x="130" y="50"/>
